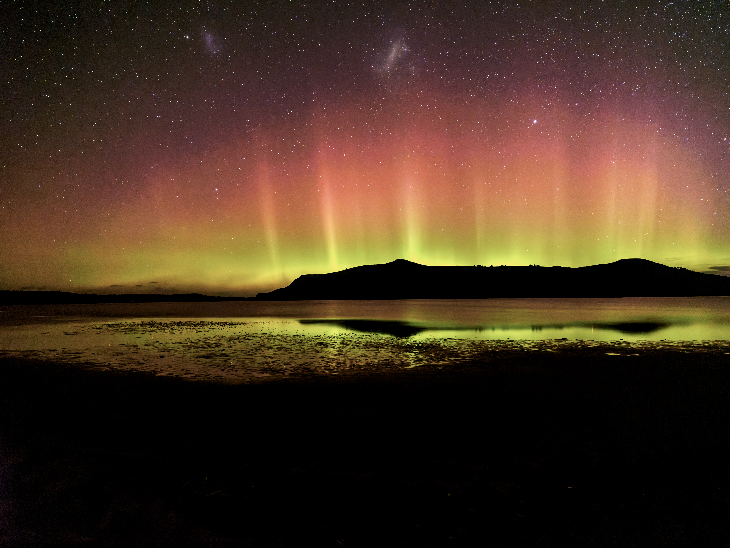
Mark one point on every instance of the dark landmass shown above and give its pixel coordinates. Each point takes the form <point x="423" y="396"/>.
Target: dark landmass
<point x="403" y="279"/>
<point x="63" y="297"/>
<point x="569" y="448"/>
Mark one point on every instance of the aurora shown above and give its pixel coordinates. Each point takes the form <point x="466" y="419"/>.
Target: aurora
<point x="235" y="189"/>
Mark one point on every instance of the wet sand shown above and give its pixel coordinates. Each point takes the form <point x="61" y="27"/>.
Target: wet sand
<point x="568" y="448"/>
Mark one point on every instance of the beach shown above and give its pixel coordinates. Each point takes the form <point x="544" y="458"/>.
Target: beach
<point x="565" y="448"/>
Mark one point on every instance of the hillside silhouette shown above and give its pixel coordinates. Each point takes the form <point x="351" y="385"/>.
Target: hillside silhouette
<point x="65" y="297"/>
<point x="402" y="279"/>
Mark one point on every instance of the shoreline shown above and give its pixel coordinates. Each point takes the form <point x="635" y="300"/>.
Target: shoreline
<point x="569" y="449"/>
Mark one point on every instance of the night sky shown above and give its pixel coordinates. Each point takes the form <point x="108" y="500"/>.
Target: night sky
<point x="228" y="147"/>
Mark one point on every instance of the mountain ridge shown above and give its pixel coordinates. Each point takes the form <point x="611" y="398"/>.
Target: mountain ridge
<point x="404" y="279"/>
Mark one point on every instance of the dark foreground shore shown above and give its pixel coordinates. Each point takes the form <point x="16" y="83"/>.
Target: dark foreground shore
<point x="572" y="449"/>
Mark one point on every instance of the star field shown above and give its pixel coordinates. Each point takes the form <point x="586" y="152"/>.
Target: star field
<point x="229" y="147"/>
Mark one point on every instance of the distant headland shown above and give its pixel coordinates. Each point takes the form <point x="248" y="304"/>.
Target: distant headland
<point x="65" y="297"/>
<point x="402" y="279"/>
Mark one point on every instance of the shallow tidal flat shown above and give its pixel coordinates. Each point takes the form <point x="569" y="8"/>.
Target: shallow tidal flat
<point x="276" y="349"/>
<point x="197" y="434"/>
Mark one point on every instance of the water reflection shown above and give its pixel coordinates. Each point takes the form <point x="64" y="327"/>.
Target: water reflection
<point x="263" y="349"/>
<point x="636" y="327"/>
<point x="644" y="329"/>
<point x="296" y="340"/>
<point x="385" y="327"/>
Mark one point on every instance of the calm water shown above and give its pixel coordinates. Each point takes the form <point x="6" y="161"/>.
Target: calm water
<point x="248" y="341"/>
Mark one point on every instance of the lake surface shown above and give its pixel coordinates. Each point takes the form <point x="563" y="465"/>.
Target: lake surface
<point x="251" y="341"/>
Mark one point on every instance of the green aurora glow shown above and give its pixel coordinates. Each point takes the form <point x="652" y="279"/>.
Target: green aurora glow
<point x="399" y="166"/>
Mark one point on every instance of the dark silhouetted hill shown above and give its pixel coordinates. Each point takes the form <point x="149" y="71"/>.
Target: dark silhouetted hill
<point x="64" y="297"/>
<point x="403" y="279"/>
